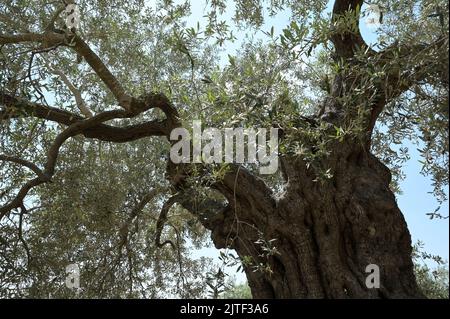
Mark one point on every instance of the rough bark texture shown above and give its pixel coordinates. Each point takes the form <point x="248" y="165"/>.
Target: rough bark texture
<point x="326" y="234"/>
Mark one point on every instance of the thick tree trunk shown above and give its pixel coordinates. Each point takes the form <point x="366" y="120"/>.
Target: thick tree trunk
<point x="326" y="233"/>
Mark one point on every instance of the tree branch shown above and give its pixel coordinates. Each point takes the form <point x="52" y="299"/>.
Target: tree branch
<point x="346" y="41"/>
<point x="162" y="221"/>
<point x="125" y="228"/>
<point x="241" y="183"/>
<point x="51" y="23"/>
<point x="23" y="162"/>
<point x="48" y="39"/>
<point x="402" y="72"/>
<point x="76" y="93"/>
<point x="51" y="39"/>
<point x="52" y="155"/>
<point x="92" y="128"/>
<point x="15" y="107"/>
<point x="23" y="211"/>
<point x="103" y="72"/>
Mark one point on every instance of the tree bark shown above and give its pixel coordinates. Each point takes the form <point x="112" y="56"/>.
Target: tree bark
<point x="326" y="233"/>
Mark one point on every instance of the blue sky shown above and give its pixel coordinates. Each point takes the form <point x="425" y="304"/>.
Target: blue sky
<point x="414" y="202"/>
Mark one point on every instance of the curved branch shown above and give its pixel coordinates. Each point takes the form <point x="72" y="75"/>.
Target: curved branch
<point x="163" y="218"/>
<point x="52" y="155"/>
<point x="15" y="107"/>
<point x="18" y="200"/>
<point x="91" y="128"/>
<point x="23" y="162"/>
<point x="240" y="182"/>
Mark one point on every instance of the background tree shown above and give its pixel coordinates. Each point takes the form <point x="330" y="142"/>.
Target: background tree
<point x="239" y="291"/>
<point x="433" y="282"/>
<point x="86" y="116"/>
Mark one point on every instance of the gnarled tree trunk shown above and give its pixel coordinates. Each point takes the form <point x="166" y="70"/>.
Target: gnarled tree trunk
<point x="326" y="233"/>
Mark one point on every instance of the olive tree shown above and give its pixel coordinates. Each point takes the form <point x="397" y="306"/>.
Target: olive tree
<point x="87" y="113"/>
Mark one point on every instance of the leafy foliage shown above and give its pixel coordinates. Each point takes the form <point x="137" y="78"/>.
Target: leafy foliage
<point x="432" y="281"/>
<point x="240" y="291"/>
